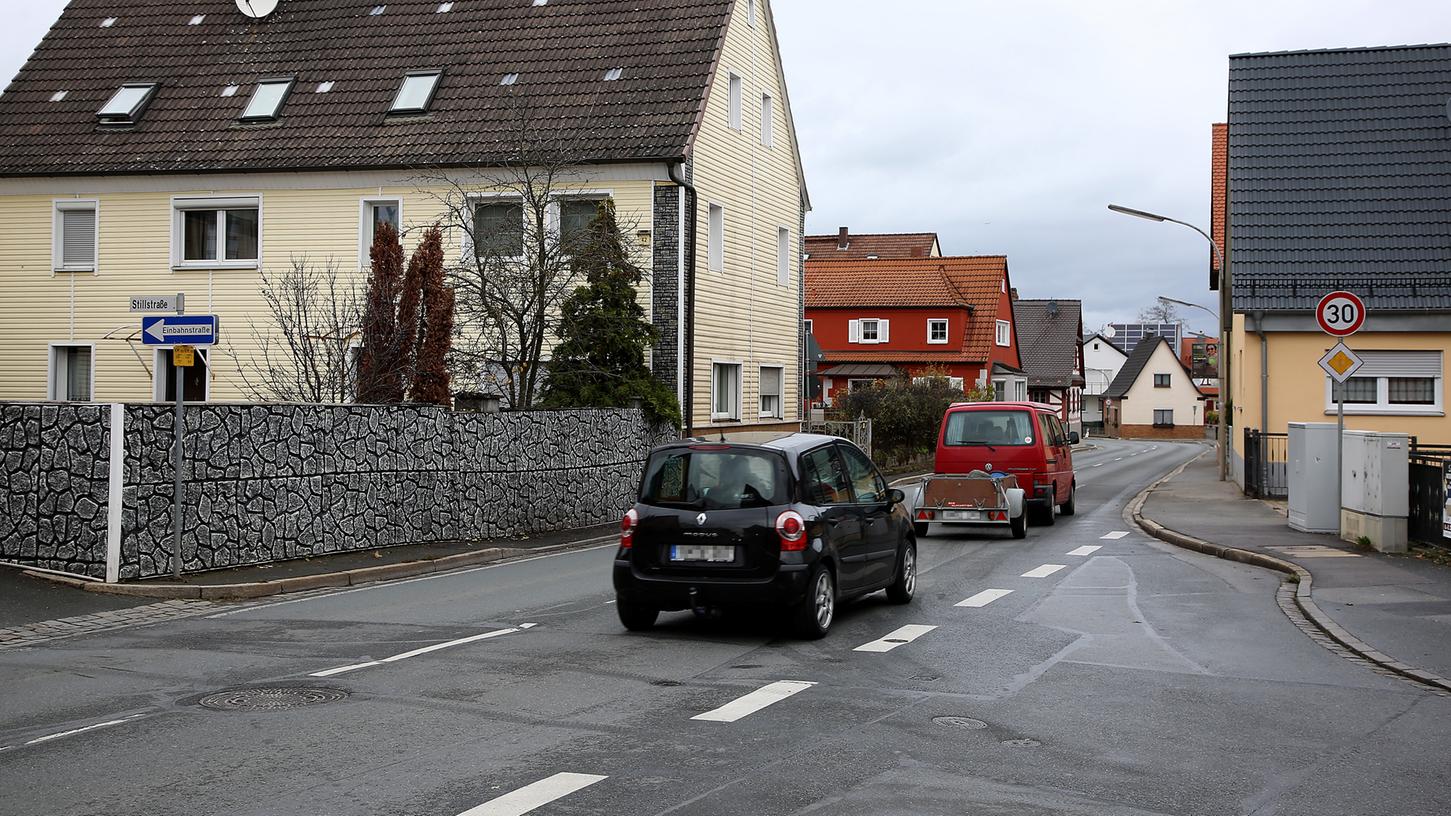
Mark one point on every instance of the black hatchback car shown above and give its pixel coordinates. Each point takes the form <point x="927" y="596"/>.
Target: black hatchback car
<point x="797" y="523"/>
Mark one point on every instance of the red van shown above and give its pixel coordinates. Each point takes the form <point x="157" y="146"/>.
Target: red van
<point x="1025" y="439"/>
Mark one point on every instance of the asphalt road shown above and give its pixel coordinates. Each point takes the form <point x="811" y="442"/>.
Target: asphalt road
<point x="1134" y="679"/>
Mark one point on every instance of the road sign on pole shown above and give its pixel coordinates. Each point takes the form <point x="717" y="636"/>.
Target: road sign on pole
<point x="171" y="330"/>
<point x="159" y="303"/>
<point x="1341" y="363"/>
<point x="1340" y="314"/>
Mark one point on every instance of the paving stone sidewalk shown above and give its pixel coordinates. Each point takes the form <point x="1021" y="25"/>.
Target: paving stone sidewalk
<point x="31" y="634"/>
<point x="1398" y="604"/>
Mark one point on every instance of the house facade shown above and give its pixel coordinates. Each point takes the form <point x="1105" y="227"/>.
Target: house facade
<point x="1102" y="361"/>
<point x="1374" y="120"/>
<point x="883" y="319"/>
<point x="269" y="146"/>
<point x="1050" y="334"/>
<point x="1154" y="396"/>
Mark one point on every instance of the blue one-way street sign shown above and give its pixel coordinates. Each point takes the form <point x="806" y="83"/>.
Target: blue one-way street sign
<point x="168" y="330"/>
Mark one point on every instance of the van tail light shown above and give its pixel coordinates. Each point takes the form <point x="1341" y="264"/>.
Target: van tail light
<point x="925" y="515"/>
<point x="791" y="529"/>
<point x="627" y="529"/>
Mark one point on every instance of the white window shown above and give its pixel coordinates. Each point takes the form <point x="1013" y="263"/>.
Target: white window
<point x="1005" y="333"/>
<point x="196" y="380"/>
<point x="868" y="330"/>
<point x="717" y="238"/>
<point x="735" y="102"/>
<point x="575" y="216"/>
<point x="773" y="379"/>
<point x="808" y="326"/>
<point x="1020" y="390"/>
<point x="783" y="256"/>
<point x="71" y="372"/>
<point x="267" y="99"/>
<point x="1405" y="383"/>
<point x="1163" y="417"/>
<point x="498" y="228"/>
<point x="75" y="237"/>
<point x="217" y="233"/>
<point x="375" y="212"/>
<point x="937" y="331"/>
<point x="725" y="400"/>
<point x="768" y="121"/>
<point x="1000" y="390"/>
<point x="416" y="92"/>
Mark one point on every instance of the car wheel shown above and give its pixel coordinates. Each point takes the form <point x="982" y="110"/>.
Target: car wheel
<point x="920" y="528"/>
<point x="1070" y="507"/>
<point x="636" y="617"/>
<point x="815" y="614"/>
<point x="1019" y="525"/>
<point x="905" y="585"/>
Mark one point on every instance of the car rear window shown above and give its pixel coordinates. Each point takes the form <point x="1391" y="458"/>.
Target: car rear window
<point x="1005" y="427"/>
<point x="725" y="479"/>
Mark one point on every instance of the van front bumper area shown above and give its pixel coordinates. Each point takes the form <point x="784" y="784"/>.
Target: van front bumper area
<point x="786" y="588"/>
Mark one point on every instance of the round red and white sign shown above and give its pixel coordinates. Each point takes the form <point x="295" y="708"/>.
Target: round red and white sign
<point x="1340" y="314"/>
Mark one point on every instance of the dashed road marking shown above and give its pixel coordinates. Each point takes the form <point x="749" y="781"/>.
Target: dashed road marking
<point x="984" y="598"/>
<point x="1118" y="459"/>
<point x="73" y="732"/>
<point x="1113" y="536"/>
<point x="425" y="650"/>
<point x="1086" y="549"/>
<point x="536" y="795"/>
<point x="900" y="637"/>
<point x="755" y="701"/>
<point x="1043" y="571"/>
<point x="1100" y="464"/>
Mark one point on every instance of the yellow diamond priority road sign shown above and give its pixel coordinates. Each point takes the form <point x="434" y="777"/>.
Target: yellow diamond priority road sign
<point x="1341" y="363"/>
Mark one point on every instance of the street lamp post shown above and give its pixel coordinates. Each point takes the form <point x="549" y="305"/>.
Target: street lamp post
<point x="1225" y="328"/>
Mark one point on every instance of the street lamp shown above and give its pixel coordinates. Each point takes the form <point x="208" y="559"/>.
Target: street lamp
<point x="1224" y="329"/>
<point x="1179" y="302"/>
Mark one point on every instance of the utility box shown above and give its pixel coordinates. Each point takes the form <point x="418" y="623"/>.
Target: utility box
<point x="1377" y="494"/>
<point x="1314" y="494"/>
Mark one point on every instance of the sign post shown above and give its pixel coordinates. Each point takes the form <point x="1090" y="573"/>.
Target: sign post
<point x="1340" y="314"/>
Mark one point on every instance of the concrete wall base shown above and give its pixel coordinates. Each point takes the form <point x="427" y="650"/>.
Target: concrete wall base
<point x="1387" y="534"/>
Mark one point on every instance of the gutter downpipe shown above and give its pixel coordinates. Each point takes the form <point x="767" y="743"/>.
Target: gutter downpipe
<point x="687" y="410"/>
<point x="1259" y="316"/>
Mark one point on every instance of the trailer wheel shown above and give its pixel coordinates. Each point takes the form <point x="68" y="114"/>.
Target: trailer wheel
<point x="1019" y="525"/>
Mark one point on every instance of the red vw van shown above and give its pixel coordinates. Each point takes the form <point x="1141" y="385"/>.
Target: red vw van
<point x="1025" y="439"/>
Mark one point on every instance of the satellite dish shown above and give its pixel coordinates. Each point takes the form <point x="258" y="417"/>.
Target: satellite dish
<point x="256" y="9"/>
<point x="1110" y="332"/>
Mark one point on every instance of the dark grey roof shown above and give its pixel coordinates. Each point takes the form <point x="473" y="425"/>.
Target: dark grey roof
<point x="1134" y="366"/>
<point x="1048" y="333"/>
<point x="1340" y="177"/>
<point x="560" y="51"/>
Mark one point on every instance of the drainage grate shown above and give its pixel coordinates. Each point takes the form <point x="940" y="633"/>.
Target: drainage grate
<point x="270" y="699"/>
<point x="959" y="722"/>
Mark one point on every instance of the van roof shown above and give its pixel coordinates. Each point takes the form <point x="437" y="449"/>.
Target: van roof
<point x="990" y="406"/>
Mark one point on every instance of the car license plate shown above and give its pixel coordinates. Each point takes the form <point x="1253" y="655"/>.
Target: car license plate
<point x="710" y="553"/>
<point x="962" y="515"/>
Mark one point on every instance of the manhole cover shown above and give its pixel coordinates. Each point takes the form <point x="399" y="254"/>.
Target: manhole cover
<point x="271" y="699"/>
<point x="1022" y="743"/>
<point x="666" y="683"/>
<point x="959" y="722"/>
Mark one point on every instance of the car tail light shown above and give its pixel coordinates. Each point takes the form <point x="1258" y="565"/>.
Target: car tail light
<point x="791" y="528"/>
<point x="925" y="515"/>
<point x="627" y="529"/>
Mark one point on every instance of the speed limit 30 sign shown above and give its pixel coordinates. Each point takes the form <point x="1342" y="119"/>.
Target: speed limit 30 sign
<point x="1340" y="314"/>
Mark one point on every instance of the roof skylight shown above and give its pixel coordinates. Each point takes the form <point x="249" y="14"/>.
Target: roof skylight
<point x="377" y="10"/>
<point x="197" y="20"/>
<point x="541" y="2"/>
<point x="416" y="92"/>
<point x="125" y="106"/>
<point x="324" y="87"/>
<point x="231" y="90"/>
<point x="108" y="22"/>
<point x="444" y="8"/>
<point x="614" y="74"/>
<point x="58" y="96"/>
<point x="267" y="99"/>
<point x="509" y="79"/>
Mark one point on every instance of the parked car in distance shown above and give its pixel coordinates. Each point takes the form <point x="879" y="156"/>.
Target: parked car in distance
<point x="1022" y="439"/>
<point x="799" y="524"/>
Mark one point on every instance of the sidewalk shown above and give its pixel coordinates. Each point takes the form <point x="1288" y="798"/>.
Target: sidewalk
<point x="1400" y="605"/>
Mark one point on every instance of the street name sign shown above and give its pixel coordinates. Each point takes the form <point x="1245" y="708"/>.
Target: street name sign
<point x="158" y="303"/>
<point x="1340" y="314"/>
<point x="1341" y="363"/>
<point x="170" y="330"/>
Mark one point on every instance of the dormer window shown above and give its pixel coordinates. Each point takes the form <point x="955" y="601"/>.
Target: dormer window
<point x="416" y="92"/>
<point x="126" y="105"/>
<point x="267" y="99"/>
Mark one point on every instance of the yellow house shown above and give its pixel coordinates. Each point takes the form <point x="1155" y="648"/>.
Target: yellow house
<point x="1337" y="180"/>
<point x="269" y="145"/>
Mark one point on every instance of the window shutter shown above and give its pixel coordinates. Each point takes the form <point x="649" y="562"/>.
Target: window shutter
<point x="884" y="331"/>
<point x="854" y="331"/>
<point x="1400" y="364"/>
<point x="78" y="238"/>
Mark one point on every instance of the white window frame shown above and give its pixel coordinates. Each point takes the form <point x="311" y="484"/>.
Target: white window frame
<point x="715" y="236"/>
<point x="768" y="121"/>
<point x="1004" y="333"/>
<point x="365" y="225"/>
<point x="876" y="330"/>
<point x="780" y="412"/>
<point x="810" y="325"/>
<point x="735" y="93"/>
<point x="783" y="256"/>
<point x="1020" y="386"/>
<point x="1155" y="418"/>
<point x="946" y="330"/>
<point x="180" y="205"/>
<point x="158" y="365"/>
<point x="555" y="216"/>
<point x="53" y="370"/>
<point x="57" y="253"/>
<point x="1000" y="390"/>
<point x="735" y="414"/>
<point x="751" y="13"/>
<point x="1383" y="406"/>
<point x="474" y="201"/>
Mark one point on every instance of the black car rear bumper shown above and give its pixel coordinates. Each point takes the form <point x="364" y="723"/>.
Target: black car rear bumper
<point x="786" y="588"/>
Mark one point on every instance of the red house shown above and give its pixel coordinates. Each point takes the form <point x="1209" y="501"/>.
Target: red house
<point x="886" y="318"/>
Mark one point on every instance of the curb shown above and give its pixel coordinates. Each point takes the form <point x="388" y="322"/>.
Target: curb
<point x="343" y="578"/>
<point x="1303" y="586"/>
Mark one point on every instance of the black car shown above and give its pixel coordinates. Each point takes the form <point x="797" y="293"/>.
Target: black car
<point x="796" y="523"/>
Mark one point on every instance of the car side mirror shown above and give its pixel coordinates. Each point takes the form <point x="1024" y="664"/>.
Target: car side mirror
<point x="896" y="496"/>
<point x="1073" y="437"/>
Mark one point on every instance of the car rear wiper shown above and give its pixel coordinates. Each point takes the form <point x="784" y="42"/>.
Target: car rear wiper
<point x="983" y="442"/>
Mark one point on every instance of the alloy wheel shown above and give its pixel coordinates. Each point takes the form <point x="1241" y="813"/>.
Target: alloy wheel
<point x="824" y="600"/>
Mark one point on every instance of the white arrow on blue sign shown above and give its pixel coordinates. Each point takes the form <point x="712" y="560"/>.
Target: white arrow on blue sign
<point x="169" y="330"/>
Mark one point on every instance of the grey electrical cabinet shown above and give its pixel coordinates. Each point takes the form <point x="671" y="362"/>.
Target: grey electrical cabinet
<point x="1377" y="489"/>
<point x="1314" y="495"/>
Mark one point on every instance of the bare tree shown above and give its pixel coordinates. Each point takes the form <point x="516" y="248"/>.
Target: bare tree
<point x="1160" y="312"/>
<point x="304" y="353"/>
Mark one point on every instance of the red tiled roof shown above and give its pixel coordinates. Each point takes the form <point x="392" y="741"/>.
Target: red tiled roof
<point x="882" y="245"/>
<point x="1219" y="189"/>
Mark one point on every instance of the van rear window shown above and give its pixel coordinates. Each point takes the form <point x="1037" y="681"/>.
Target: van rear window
<point x="1003" y="428"/>
<point x="729" y="479"/>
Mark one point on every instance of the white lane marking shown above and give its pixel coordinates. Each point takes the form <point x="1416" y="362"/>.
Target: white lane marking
<point x="1118" y="459"/>
<point x="74" y="731"/>
<point x="1100" y="464"/>
<point x="904" y="635"/>
<point x="1113" y="536"/>
<point x="755" y="701"/>
<point x="1086" y="549"/>
<point x="425" y="650"/>
<point x="535" y="795"/>
<point x="1043" y="571"/>
<point x="984" y="598"/>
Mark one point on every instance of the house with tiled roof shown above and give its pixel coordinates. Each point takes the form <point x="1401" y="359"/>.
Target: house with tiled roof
<point x="848" y="246"/>
<point x="885" y="319"/>
<point x="1154" y="396"/>
<point x="1336" y="174"/>
<point x="1050" y="335"/>
<point x="160" y="146"/>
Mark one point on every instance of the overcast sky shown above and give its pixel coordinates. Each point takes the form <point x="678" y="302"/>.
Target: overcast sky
<point x="1006" y="127"/>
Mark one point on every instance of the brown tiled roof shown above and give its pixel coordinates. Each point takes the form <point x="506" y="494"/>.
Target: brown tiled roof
<point x="1219" y="190"/>
<point x="882" y="245"/>
<point x="560" y="51"/>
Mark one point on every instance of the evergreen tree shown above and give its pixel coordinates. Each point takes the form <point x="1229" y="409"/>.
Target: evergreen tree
<point x="379" y="375"/>
<point x="430" y="376"/>
<point x="603" y="333"/>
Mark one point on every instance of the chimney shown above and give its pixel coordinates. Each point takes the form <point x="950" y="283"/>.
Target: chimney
<point x="842" y="241"/>
<point x="1013" y="293"/>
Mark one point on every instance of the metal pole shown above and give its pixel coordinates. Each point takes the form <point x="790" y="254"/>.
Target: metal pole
<point x="1339" y="450"/>
<point x="176" y="519"/>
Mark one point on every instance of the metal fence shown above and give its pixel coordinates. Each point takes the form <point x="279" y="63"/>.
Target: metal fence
<point x="1266" y="464"/>
<point x="1430" y="480"/>
<point x="858" y="431"/>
